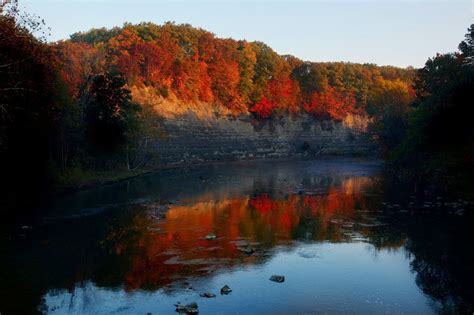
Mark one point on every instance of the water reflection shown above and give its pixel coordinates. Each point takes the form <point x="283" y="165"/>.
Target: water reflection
<point x="164" y="244"/>
<point x="141" y="246"/>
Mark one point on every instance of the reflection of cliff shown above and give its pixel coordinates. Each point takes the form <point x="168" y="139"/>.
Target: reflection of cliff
<point x="265" y="207"/>
<point x="161" y="251"/>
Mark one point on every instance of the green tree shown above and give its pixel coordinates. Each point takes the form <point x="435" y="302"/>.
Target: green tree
<point x="467" y="46"/>
<point x="110" y="116"/>
<point x="311" y="78"/>
<point x="389" y="106"/>
<point x="439" y="141"/>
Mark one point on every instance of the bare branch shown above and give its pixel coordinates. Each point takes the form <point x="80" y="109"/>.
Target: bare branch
<point x="15" y="62"/>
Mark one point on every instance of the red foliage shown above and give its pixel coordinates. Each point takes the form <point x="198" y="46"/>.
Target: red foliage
<point x="194" y="65"/>
<point x="264" y="108"/>
<point x="224" y="72"/>
<point x="262" y="203"/>
<point x="331" y="103"/>
<point x="76" y="63"/>
<point x="126" y="54"/>
<point x="284" y="93"/>
<point x="205" y="83"/>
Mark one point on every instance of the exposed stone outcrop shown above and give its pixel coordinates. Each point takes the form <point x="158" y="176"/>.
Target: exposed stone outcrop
<point x="190" y="138"/>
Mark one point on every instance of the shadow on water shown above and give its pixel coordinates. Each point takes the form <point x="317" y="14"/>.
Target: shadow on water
<point x="344" y="238"/>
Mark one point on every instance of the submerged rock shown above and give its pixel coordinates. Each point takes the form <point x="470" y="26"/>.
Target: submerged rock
<point x="207" y="295"/>
<point x="249" y="250"/>
<point x="191" y="308"/>
<point x="276" y="278"/>
<point x="226" y="290"/>
<point x="210" y="236"/>
<point x="307" y="253"/>
<point x="159" y="216"/>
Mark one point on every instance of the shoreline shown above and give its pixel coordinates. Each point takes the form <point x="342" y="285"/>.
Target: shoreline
<point x="61" y="190"/>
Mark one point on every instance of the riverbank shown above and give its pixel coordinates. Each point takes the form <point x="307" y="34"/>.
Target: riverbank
<point x="75" y="180"/>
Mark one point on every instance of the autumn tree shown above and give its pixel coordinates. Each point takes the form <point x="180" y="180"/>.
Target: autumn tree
<point x="194" y="65"/>
<point x="331" y="103"/>
<point x="263" y="109"/>
<point x="267" y="63"/>
<point x="247" y="60"/>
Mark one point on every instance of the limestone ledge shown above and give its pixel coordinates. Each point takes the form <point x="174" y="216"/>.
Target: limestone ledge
<point x="190" y="138"/>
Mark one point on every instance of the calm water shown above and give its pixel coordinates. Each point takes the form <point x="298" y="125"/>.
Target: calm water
<point x="345" y="238"/>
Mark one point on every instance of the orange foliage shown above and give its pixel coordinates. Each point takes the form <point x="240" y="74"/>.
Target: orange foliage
<point x="196" y="66"/>
<point x="126" y="54"/>
<point x="284" y="93"/>
<point x="331" y="103"/>
<point x="160" y="250"/>
<point x="76" y="63"/>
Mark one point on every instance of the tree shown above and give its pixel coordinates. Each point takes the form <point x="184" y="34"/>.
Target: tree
<point x="467" y="46"/>
<point x="284" y="92"/>
<point x="311" y="78"/>
<point x="126" y="53"/>
<point x="438" y="141"/>
<point x="332" y="103"/>
<point x="140" y="149"/>
<point x="193" y="65"/>
<point x="389" y="106"/>
<point x="29" y="108"/>
<point x="263" y="109"/>
<point x="267" y="64"/>
<point x="111" y="115"/>
<point x="247" y="60"/>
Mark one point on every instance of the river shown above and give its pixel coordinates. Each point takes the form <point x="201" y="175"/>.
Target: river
<point x="346" y="240"/>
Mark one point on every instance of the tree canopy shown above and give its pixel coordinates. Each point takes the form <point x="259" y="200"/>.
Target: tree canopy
<point x="195" y="65"/>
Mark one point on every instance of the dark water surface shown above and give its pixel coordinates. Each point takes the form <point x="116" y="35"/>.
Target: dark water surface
<point x="345" y="238"/>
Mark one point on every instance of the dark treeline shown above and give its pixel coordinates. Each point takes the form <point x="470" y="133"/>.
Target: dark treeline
<point x="49" y="137"/>
<point x="67" y="110"/>
<point x="29" y="107"/>
<point x="437" y="139"/>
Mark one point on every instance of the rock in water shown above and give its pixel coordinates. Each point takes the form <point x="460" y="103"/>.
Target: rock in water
<point x="307" y="253"/>
<point x="278" y="279"/>
<point x="210" y="236"/>
<point x="247" y="250"/>
<point x="207" y="295"/>
<point x="191" y="308"/>
<point x="226" y="290"/>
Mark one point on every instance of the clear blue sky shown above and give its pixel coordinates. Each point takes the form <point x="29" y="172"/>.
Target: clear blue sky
<point x="385" y="32"/>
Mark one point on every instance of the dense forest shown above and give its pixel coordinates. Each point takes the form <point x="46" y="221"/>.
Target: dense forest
<point x="69" y="109"/>
<point x="194" y="65"/>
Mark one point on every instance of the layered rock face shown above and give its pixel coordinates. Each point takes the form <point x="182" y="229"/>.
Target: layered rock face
<point x="189" y="138"/>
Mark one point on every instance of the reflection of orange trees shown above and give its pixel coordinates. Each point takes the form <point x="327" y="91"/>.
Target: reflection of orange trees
<point x="161" y="251"/>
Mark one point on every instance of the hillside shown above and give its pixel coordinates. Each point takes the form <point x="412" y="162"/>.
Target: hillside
<point x="178" y="68"/>
<point x="112" y="102"/>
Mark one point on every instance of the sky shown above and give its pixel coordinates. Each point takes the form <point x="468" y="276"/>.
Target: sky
<point x="384" y="32"/>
